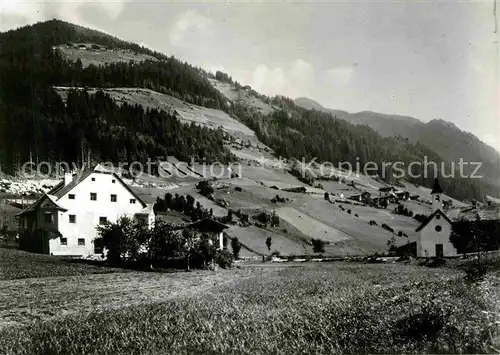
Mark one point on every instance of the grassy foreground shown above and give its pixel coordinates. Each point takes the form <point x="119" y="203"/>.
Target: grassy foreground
<point x="320" y="309"/>
<point x="18" y="264"/>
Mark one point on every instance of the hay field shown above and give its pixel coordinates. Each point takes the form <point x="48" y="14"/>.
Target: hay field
<point x="318" y="308"/>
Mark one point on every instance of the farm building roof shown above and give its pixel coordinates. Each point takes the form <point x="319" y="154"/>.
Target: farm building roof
<point x="386" y="189"/>
<point x="206" y="225"/>
<point x="34" y="206"/>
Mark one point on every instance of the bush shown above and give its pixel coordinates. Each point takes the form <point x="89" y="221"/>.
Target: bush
<point x="386" y="227"/>
<point x="436" y="262"/>
<point x="269" y="242"/>
<point x="205" y="187"/>
<point x="476" y="271"/>
<point x="420" y="217"/>
<point x="263" y="218"/>
<point x="224" y="259"/>
<point x="122" y="239"/>
<point x="236" y="246"/>
<point x="425" y="323"/>
<point x="318" y="246"/>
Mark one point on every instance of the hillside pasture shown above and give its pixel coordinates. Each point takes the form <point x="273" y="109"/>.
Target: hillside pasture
<point x="255" y="238"/>
<point x="364" y="238"/>
<point x="98" y="57"/>
<point x="311" y="226"/>
<point x="397" y="222"/>
<point x="17" y="264"/>
<point x="186" y="112"/>
<point x="242" y="95"/>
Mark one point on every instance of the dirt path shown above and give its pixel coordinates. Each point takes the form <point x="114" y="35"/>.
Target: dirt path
<point x="26" y="300"/>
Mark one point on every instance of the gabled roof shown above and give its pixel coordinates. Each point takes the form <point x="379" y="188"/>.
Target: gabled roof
<point x="35" y="205"/>
<point x="436" y="189"/>
<point x="60" y="190"/>
<point x="386" y="188"/>
<point x="426" y="222"/>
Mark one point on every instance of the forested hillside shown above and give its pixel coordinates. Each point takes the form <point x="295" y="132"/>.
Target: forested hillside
<point x="298" y="132"/>
<point x="439" y="135"/>
<point x="34" y="121"/>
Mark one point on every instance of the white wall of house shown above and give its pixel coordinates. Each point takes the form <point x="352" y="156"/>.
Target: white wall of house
<point x="88" y="212"/>
<point x="429" y="237"/>
<point x="148" y="219"/>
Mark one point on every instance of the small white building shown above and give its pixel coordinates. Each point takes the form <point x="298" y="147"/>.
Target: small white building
<point x="435" y="231"/>
<point x="64" y="221"/>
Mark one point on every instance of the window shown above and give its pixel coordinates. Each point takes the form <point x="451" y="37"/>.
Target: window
<point x="49" y="218"/>
<point x="437" y="198"/>
<point x="81" y="241"/>
<point x="438" y="216"/>
<point x="438" y="228"/>
<point x="64" y="241"/>
<point x="72" y="218"/>
<point x="103" y="220"/>
<point x="132" y="200"/>
<point x="93" y="196"/>
<point x="113" y="198"/>
<point x="93" y="179"/>
<point x="113" y="181"/>
<point x="71" y="196"/>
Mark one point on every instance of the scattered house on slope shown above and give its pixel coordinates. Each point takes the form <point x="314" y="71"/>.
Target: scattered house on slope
<point x="210" y="227"/>
<point x="402" y="195"/>
<point x="492" y="201"/>
<point x="386" y="189"/>
<point x="64" y="220"/>
<point x="364" y="197"/>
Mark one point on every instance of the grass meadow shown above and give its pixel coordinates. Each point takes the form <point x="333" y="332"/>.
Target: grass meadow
<point x="18" y="264"/>
<point x="308" y="308"/>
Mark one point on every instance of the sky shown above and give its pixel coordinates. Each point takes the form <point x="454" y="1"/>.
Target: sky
<point x="426" y="59"/>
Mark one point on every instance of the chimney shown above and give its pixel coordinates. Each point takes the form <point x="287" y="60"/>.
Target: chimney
<point x="68" y="177"/>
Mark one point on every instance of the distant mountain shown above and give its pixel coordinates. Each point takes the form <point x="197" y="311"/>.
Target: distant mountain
<point x="441" y="136"/>
<point x="310" y="104"/>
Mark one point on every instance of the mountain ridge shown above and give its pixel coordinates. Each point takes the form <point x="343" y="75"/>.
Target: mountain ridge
<point x="442" y="136"/>
<point x="288" y="129"/>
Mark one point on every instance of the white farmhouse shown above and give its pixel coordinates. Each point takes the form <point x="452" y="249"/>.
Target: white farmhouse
<point x="64" y="221"/>
<point x="435" y="231"/>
